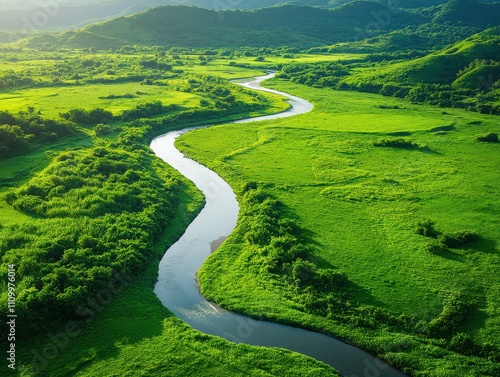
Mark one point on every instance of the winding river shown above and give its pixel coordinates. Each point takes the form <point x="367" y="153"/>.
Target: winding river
<point x="177" y="286"/>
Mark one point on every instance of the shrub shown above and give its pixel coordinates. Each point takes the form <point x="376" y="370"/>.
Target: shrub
<point x="458" y="239"/>
<point x="426" y="228"/>
<point x="303" y="272"/>
<point x="462" y="343"/>
<point x="488" y="138"/>
<point x="327" y="279"/>
<point x="102" y="129"/>
<point x="456" y="309"/>
<point x="400" y="142"/>
<point x="436" y="247"/>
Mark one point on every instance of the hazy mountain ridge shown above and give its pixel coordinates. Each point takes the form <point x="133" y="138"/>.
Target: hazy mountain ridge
<point x="276" y="26"/>
<point x="46" y="15"/>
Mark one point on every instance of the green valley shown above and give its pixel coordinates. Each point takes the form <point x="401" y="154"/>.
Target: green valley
<point x="373" y="218"/>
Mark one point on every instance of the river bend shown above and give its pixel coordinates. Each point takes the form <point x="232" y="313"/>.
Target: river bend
<point x="177" y="287"/>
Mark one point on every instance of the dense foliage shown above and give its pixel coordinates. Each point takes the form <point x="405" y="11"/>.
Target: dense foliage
<point x="96" y="214"/>
<point x="25" y="131"/>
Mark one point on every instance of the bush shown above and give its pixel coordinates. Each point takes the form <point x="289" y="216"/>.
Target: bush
<point x="426" y="228"/>
<point x="456" y="309"/>
<point x="404" y="143"/>
<point x="82" y="116"/>
<point x="436" y="247"/>
<point x="462" y="343"/>
<point x="458" y="239"/>
<point x="488" y="138"/>
<point x="102" y="129"/>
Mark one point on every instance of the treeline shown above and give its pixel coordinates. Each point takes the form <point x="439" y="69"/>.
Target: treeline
<point x="25" y="131"/>
<point x="80" y="69"/>
<point x="100" y="115"/>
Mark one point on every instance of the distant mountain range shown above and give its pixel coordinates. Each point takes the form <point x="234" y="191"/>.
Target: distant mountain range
<point x="28" y="15"/>
<point x="292" y="25"/>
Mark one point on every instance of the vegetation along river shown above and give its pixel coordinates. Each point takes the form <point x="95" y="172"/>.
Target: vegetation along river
<point x="177" y="287"/>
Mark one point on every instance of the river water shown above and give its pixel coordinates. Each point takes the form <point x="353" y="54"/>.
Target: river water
<point x="177" y="287"/>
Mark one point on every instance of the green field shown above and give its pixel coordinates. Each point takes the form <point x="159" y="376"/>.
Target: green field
<point x="53" y="101"/>
<point x="359" y="205"/>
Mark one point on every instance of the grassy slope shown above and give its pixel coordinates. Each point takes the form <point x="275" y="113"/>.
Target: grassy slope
<point x="440" y="67"/>
<point x="360" y="204"/>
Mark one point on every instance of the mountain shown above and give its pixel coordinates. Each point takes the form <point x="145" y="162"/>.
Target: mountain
<point x="275" y="26"/>
<point x="29" y="16"/>
<point x="469" y="12"/>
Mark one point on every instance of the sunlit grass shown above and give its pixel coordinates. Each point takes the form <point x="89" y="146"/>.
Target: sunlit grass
<point x="360" y="203"/>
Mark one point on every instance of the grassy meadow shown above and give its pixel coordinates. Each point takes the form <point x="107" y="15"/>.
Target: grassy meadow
<point x="358" y="205"/>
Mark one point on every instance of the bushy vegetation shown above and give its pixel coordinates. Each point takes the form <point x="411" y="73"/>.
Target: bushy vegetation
<point x="426" y="228"/>
<point x="82" y="116"/>
<point x="491" y="137"/>
<point x="25" y="131"/>
<point x="281" y="245"/>
<point x="404" y="143"/>
<point x="148" y="110"/>
<point x="97" y="213"/>
<point x="459" y="239"/>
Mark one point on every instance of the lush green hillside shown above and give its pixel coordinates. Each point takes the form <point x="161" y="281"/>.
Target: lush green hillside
<point x="465" y="74"/>
<point x="277" y="26"/>
<point x="443" y="67"/>
<point x="469" y="12"/>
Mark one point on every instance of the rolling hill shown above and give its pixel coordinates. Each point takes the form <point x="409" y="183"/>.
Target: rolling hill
<point x="276" y="26"/>
<point x="444" y="66"/>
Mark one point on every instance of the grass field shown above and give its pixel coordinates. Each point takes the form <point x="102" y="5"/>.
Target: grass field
<point x="53" y="101"/>
<point x="360" y="204"/>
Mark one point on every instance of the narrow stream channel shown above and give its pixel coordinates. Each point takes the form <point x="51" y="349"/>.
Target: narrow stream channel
<point x="177" y="287"/>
